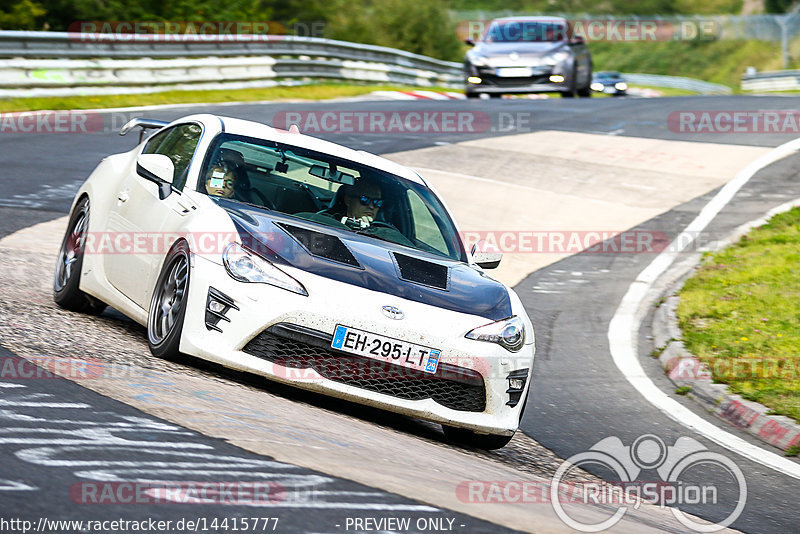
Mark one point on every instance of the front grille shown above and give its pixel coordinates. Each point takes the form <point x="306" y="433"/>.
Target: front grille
<point x="514" y="82"/>
<point x="297" y="347"/>
<point x="489" y="77"/>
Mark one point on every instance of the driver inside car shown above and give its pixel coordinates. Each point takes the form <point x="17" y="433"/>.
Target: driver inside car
<point x="359" y="204"/>
<point x="363" y="204"/>
<point x="220" y="182"/>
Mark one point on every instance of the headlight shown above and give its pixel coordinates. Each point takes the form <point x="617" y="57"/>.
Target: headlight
<point x="621" y="86"/>
<point x="597" y="86"/>
<point x="555" y="58"/>
<point x="245" y="266"/>
<point x="509" y="333"/>
<point x="478" y="60"/>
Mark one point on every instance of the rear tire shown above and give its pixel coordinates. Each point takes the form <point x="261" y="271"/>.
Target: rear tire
<point x="66" y="284"/>
<point x="168" y="305"/>
<point x="461" y="436"/>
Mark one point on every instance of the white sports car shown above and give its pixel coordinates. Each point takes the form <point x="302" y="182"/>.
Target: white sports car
<point x="303" y="261"/>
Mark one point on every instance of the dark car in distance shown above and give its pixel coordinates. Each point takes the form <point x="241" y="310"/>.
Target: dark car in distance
<point x="521" y="55"/>
<point x="609" y="82"/>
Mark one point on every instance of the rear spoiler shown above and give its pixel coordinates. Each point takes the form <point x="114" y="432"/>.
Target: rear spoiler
<point x="144" y="124"/>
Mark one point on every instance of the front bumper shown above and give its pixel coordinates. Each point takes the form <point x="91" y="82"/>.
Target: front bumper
<point x="611" y="90"/>
<point x="538" y="82"/>
<point x="286" y="337"/>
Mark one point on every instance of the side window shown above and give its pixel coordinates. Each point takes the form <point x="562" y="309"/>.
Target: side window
<point x="151" y="147"/>
<point x="178" y="143"/>
<point x="425" y="226"/>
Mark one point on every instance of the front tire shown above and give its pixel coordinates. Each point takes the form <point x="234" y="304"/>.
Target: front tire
<point x="168" y="305"/>
<point x="66" y="284"/>
<point x="573" y="86"/>
<point x="586" y="91"/>
<point x="461" y="436"/>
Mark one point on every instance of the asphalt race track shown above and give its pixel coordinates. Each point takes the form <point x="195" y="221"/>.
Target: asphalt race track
<point x="579" y="395"/>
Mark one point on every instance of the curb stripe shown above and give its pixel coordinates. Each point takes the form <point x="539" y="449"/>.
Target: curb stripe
<point x="622" y="330"/>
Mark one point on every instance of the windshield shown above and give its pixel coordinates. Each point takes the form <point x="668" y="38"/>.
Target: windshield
<point x="525" y="31"/>
<point x="331" y="191"/>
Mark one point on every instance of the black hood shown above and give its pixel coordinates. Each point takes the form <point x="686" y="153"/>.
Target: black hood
<point x="370" y="263"/>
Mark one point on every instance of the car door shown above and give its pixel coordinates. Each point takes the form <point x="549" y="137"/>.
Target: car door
<point x="141" y="223"/>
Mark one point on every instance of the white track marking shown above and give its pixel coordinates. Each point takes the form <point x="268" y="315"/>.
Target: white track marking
<point x="622" y="330"/>
<point x="13" y="485"/>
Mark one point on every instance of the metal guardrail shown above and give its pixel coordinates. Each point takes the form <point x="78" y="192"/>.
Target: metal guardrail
<point x="29" y="44"/>
<point x="782" y="80"/>
<point x="62" y="64"/>
<point x="677" y="82"/>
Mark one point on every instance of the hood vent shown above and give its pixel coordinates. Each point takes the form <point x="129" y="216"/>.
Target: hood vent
<point x="321" y="245"/>
<point x="422" y="272"/>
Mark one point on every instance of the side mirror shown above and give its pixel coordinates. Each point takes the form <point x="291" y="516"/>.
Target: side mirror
<point x="485" y="255"/>
<point x="577" y="40"/>
<point x="470" y="42"/>
<point x="157" y="168"/>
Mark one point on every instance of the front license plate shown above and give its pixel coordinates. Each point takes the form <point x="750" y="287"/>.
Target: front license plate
<point x="386" y="349"/>
<point x="514" y="72"/>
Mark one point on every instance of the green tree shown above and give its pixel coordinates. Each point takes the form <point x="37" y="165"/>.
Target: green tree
<point x="419" y="26"/>
<point x="62" y="13"/>
<point x="20" y="15"/>
<point x="777" y="6"/>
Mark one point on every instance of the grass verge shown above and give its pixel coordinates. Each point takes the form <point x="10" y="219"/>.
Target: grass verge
<point x="321" y="91"/>
<point x="666" y="91"/>
<point x="740" y="314"/>
<point x="722" y="61"/>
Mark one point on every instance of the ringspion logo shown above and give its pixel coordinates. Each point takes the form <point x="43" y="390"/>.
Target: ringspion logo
<point x="673" y="464"/>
